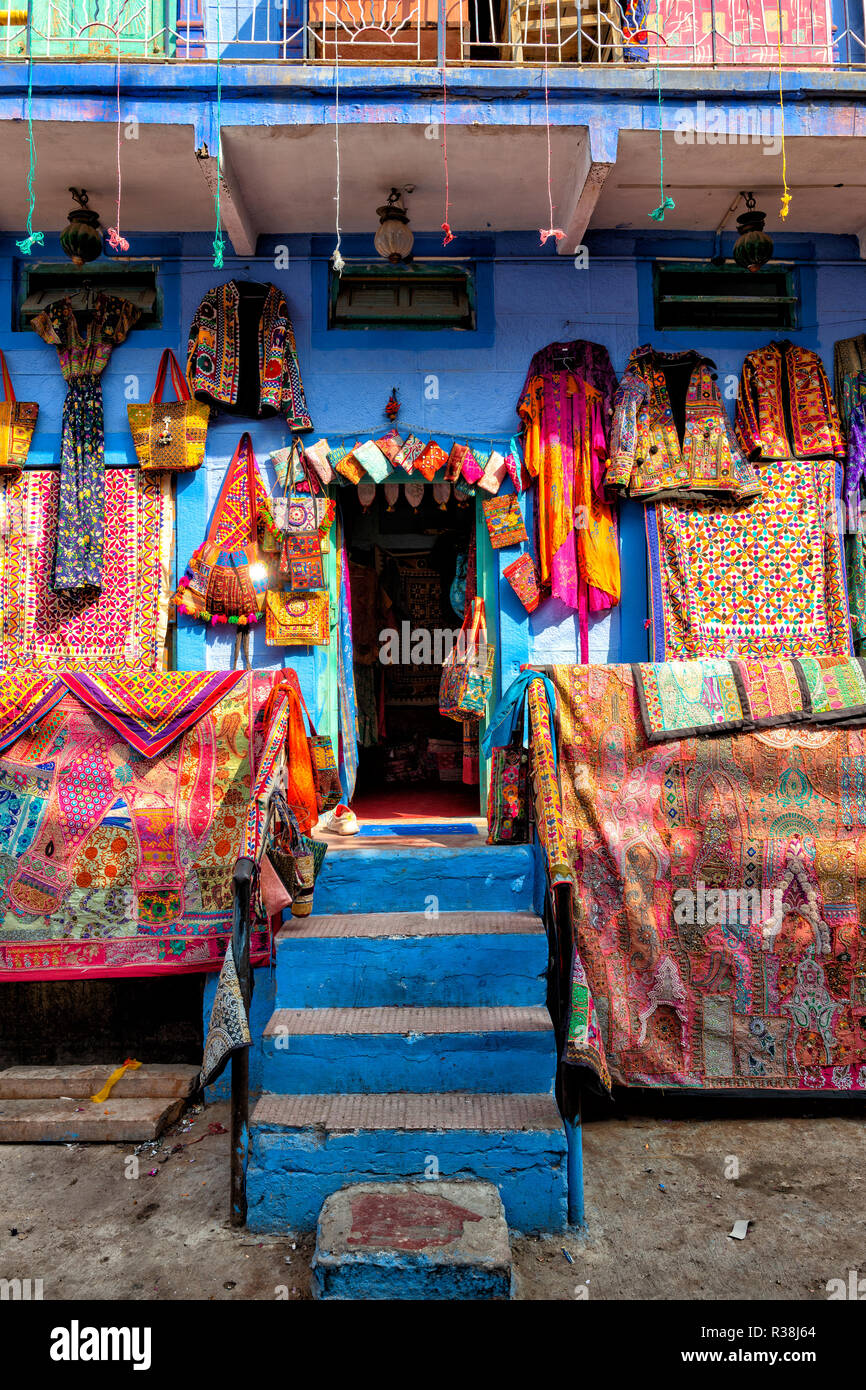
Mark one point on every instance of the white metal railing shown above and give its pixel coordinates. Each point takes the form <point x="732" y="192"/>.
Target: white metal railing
<point x="718" y="33"/>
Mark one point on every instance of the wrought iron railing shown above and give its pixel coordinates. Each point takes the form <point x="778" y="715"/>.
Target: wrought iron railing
<point x="718" y="33"/>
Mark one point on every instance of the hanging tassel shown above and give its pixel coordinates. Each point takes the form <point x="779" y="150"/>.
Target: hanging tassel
<point x="786" y="196"/>
<point x="219" y="239"/>
<point x="446" y="227"/>
<point x="556" y="232"/>
<point x="336" y="259"/>
<point x="25" y="246"/>
<point x="115" y="240"/>
<point x="667" y="203"/>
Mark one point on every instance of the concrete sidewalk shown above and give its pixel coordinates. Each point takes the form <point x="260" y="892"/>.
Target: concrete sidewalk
<point x="659" y="1208"/>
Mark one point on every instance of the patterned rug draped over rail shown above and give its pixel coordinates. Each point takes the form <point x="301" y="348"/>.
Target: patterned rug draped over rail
<point x="720" y="883"/>
<point x="124" y="803"/>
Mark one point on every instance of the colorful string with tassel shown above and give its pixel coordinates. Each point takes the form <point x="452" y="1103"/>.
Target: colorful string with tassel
<point x="219" y="239"/>
<point x="667" y="203"/>
<point x="32" y="238"/>
<point x="786" y="196"/>
<point x="446" y="226"/>
<point x="556" y="232"/>
<point x="115" y="240"/>
<point x="336" y="258"/>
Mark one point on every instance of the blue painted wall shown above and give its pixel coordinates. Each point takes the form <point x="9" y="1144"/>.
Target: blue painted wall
<point x="454" y="383"/>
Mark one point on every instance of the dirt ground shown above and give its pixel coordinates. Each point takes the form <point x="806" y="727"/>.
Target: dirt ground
<point x="99" y="1221"/>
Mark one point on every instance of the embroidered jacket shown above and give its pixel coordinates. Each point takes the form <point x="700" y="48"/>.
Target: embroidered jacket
<point x="849" y="366"/>
<point x="683" y="450"/>
<point x="218" y="372"/>
<point x="785" y="408"/>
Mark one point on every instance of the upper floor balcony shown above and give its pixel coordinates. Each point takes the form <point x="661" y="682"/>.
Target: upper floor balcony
<point x="796" y="34"/>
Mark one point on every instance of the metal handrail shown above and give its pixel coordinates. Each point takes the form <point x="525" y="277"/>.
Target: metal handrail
<point x="242" y="888"/>
<point x="438" y="33"/>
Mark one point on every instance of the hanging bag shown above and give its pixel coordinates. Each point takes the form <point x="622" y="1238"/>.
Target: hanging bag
<point x="467" y="673"/>
<point x="226" y="580"/>
<point x="298" y="620"/>
<point x="169" y="436"/>
<point x="508" y="793"/>
<point x="326" y="778"/>
<point x="17" y="423"/>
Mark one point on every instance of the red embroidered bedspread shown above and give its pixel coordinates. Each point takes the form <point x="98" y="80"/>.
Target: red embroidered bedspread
<point x="719" y="900"/>
<point x="124" y="803"/>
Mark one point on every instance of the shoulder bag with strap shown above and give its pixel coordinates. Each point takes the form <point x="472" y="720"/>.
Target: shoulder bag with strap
<point x="169" y="436"/>
<point x="227" y="579"/>
<point x="467" y="672"/>
<point x="17" y="423"/>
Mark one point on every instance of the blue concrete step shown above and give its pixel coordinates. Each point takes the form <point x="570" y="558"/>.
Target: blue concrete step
<point x="303" y="1148"/>
<point x="310" y="1051"/>
<point x="365" y="960"/>
<point x="464" y="877"/>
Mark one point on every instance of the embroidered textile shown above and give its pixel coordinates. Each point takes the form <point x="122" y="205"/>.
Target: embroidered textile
<point x="717" y="895"/>
<point x="849" y="370"/>
<point x="123" y="627"/>
<point x="116" y="864"/>
<point x="150" y="712"/>
<point x="25" y="697"/>
<point x="546" y="794"/>
<point x="217" y="368"/>
<point x="566" y="403"/>
<point x="761" y="579"/>
<point x="785" y="408"/>
<point x="228" y="1029"/>
<point x="679" y="699"/>
<point x="81" y="519"/>
<point x="775" y="689"/>
<point x="837" y="689"/>
<point x="671" y="437"/>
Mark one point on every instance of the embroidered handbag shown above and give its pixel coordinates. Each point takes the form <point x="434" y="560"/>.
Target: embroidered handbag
<point x="504" y="521"/>
<point x="495" y="472"/>
<point x="456" y="459"/>
<point x="523" y="578"/>
<point x="317" y="457"/>
<point x="508" y="793"/>
<point x="326" y="778"/>
<point x="346" y="464"/>
<point x="169" y="436"/>
<point x="297" y="620"/>
<point x="472" y="468"/>
<point x="373" y="461"/>
<point x="412" y="448"/>
<point x="467" y="672"/>
<point x="431" y="460"/>
<point x="390" y="444"/>
<point x="17" y="423"/>
<point x="301" y="560"/>
<point x="227" y="579"/>
<point x="275" y="896"/>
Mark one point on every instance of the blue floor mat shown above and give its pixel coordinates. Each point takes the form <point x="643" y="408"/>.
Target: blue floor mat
<point x="421" y="828"/>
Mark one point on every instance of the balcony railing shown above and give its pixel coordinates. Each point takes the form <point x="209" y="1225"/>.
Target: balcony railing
<point x="702" y="33"/>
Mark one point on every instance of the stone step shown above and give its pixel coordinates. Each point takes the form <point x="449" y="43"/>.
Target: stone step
<point x="304" y="1147"/>
<point x="503" y="1048"/>
<point x="401" y="878"/>
<point x="380" y="958"/>
<point x="423" y="1240"/>
<point x="170" y="1080"/>
<point x="112" y="1121"/>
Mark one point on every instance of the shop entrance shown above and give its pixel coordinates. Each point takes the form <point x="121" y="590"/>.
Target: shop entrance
<point x="410" y="559"/>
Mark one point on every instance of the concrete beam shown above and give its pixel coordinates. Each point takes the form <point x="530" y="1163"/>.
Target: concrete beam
<point x="596" y="160"/>
<point x="236" y="218"/>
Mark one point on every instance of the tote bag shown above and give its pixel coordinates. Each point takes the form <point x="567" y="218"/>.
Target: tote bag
<point x="169" y="437"/>
<point x="467" y="674"/>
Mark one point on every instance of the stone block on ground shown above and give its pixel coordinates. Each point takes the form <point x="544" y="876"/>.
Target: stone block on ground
<point x="435" y="1240"/>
